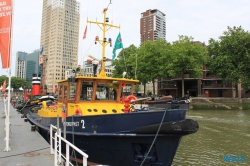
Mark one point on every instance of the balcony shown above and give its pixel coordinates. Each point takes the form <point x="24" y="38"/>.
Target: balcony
<point x="168" y="87"/>
<point x="213" y="86"/>
<point x="217" y="86"/>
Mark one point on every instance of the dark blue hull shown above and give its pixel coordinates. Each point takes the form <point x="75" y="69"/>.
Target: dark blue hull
<point x="127" y="149"/>
<point x="26" y="108"/>
<point x="121" y="139"/>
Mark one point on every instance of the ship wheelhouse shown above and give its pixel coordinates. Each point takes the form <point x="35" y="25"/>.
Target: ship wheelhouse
<point x="86" y="94"/>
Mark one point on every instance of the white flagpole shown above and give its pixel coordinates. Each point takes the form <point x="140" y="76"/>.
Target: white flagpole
<point x="5" y="107"/>
<point x="7" y="122"/>
<point x="7" y="138"/>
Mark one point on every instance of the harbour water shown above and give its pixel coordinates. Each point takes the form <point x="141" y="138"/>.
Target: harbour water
<point x="223" y="138"/>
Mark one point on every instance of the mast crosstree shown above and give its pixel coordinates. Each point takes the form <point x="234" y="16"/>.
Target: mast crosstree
<point x="104" y="26"/>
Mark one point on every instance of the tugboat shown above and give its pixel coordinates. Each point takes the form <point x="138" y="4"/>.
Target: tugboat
<point x="98" y="119"/>
<point x="33" y="96"/>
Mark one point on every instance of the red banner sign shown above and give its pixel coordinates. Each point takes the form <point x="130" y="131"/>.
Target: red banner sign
<point x="5" y="31"/>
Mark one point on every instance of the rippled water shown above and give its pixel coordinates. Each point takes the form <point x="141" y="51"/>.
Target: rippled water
<point x="221" y="133"/>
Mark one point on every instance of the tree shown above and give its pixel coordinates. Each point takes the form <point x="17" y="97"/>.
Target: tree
<point x="2" y="78"/>
<point x="17" y="82"/>
<point x="144" y="58"/>
<point x="229" y="56"/>
<point x="125" y="62"/>
<point x="153" y="57"/>
<point x="187" y="57"/>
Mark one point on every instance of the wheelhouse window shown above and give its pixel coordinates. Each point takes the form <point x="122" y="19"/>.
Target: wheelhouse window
<point x="65" y="92"/>
<point x="126" y="89"/>
<point x="106" y="91"/>
<point x="60" y="92"/>
<point x="86" y="91"/>
<point x="72" y="91"/>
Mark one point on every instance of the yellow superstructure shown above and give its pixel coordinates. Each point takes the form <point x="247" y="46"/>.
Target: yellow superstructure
<point x="88" y="96"/>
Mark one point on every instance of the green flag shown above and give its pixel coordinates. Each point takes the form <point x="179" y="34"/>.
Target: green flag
<point x="118" y="45"/>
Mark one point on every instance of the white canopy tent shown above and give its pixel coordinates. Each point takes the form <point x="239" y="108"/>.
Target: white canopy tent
<point x="11" y="89"/>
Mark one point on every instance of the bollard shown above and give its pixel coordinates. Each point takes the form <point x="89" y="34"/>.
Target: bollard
<point x="33" y="127"/>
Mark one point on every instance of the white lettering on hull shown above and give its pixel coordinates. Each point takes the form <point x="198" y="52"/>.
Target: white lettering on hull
<point x="76" y="124"/>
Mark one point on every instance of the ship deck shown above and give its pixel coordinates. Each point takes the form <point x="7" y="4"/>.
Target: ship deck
<point x="27" y="147"/>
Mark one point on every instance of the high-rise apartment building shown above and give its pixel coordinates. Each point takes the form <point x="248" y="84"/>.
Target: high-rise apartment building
<point x="152" y="25"/>
<point x="59" y="39"/>
<point x="21" y="64"/>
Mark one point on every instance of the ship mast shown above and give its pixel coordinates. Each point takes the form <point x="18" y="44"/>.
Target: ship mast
<point x="104" y="26"/>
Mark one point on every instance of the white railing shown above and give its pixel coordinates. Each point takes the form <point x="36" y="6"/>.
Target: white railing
<point x="58" y="151"/>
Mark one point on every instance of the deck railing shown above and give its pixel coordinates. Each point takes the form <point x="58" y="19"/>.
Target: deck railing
<point x="57" y="151"/>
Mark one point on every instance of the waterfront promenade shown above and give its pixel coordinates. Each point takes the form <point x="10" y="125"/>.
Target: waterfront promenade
<point x="28" y="148"/>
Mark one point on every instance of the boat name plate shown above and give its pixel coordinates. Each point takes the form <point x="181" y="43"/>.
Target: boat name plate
<point x="75" y="124"/>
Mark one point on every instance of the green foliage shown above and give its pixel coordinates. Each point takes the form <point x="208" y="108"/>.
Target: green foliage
<point x="137" y="88"/>
<point x="125" y="62"/>
<point x="2" y="78"/>
<point x="159" y="59"/>
<point x="229" y="56"/>
<point x="153" y="57"/>
<point x="187" y="57"/>
<point x="149" y="93"/>
<point x="16" y="82"/>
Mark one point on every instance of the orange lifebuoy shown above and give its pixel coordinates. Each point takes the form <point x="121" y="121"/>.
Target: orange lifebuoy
<point x="130" y="97"/>
<point x="127" y="102"/>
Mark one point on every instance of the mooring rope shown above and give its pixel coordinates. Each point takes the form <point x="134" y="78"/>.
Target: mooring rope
<point x="156" y="135"/>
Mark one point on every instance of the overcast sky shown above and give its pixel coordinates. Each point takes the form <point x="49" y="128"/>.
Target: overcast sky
<point x="201" y="19"/>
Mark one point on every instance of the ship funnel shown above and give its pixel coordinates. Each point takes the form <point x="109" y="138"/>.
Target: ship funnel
<point x="36" y="81"/>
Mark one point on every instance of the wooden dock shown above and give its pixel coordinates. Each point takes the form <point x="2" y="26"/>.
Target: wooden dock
<point x="28" y="148"/>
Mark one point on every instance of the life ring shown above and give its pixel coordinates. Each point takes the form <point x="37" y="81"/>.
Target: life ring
<point x="127" y="102"/>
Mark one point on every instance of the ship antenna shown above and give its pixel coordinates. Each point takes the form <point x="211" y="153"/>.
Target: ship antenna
<point x="104" y="26"/>
<point x="109" y="3"/>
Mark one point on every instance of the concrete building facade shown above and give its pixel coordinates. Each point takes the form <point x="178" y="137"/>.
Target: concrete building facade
<point x="27" y="65"/>
<point x="59" y="40"/>
<point x="88" y="68"/>
<point x="21" y="64"/>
